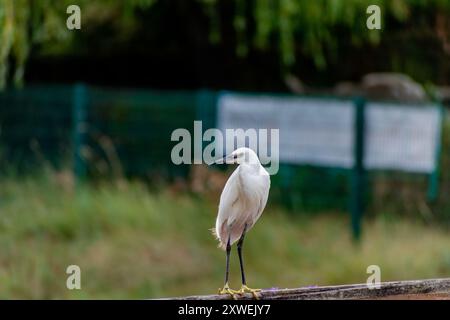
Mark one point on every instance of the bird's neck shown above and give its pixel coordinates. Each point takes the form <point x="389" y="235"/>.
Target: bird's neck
<point x="253" y="168"/>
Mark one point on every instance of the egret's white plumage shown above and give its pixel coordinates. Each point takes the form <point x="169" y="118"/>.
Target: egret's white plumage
<point x="243" y="198"/>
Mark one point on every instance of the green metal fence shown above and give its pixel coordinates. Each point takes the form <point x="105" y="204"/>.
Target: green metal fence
<point x="103" y="131"/>
<point x="36" y="127"/>
<point x="100" y="131"/>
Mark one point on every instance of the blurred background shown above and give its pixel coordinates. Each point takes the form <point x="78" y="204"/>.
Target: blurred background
<point x="85" y="123"/>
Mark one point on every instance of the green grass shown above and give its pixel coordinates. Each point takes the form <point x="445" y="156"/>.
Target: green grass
<point x="134" y="243"/>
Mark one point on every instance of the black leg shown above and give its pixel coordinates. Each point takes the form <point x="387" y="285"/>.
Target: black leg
<point x="227" y="270"/>
<point x="226" y="289"/>
<point x="239" y="249"/>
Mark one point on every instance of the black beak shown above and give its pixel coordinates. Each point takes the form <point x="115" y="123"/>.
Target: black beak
<point x="221" y="160"/>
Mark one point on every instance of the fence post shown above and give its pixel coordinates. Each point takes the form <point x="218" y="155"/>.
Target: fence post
<point x="79" y="103"/>
<point x="357" y="184"/>
<point x="433" y="182"/>
<point x="206" y="108"/>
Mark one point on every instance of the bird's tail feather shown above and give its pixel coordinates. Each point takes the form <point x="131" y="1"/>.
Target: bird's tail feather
<point x="221" y="244"/>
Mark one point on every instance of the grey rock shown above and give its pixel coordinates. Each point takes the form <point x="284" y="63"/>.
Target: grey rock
<point x="392" y="86"/>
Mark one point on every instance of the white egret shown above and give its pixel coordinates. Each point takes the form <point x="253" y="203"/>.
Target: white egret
<point x="241" y="203"/>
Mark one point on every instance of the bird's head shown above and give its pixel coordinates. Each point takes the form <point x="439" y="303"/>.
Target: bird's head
<point x="240" y="155"/>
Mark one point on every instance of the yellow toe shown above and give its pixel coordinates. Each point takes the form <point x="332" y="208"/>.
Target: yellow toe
<point x="254" y="292"/>
<point x="227" y="290"/>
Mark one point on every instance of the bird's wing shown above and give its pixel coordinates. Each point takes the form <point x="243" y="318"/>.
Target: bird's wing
<point x="228" y="206"/>
<point x="263" y="199"/>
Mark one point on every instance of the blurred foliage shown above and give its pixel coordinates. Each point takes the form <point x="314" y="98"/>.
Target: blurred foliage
<point x="310" y="26"/>
<point x="27" y="22"/>
<point x="294" y="27"/>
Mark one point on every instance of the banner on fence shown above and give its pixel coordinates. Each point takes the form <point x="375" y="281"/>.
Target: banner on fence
<point x="402" y="137"/>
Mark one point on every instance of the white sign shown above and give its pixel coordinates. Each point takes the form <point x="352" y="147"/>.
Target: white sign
<point x="312" y="131"/>
<point x="321" y="131"/>
<point x="402" y="137"/>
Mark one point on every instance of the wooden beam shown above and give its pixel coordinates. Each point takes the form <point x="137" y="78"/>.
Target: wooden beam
<point x="414" y="289"/>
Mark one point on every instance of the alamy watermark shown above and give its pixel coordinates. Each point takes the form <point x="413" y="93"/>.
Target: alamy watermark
<point x="374" y="20"/>
<point x="73" y="22"/>
<point x="374" y="280"/>
<point x="264" y="142"/>
<point x="74" y="279"/>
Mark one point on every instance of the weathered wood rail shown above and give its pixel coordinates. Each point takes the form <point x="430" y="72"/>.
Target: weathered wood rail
<point x="430" y="289"/>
